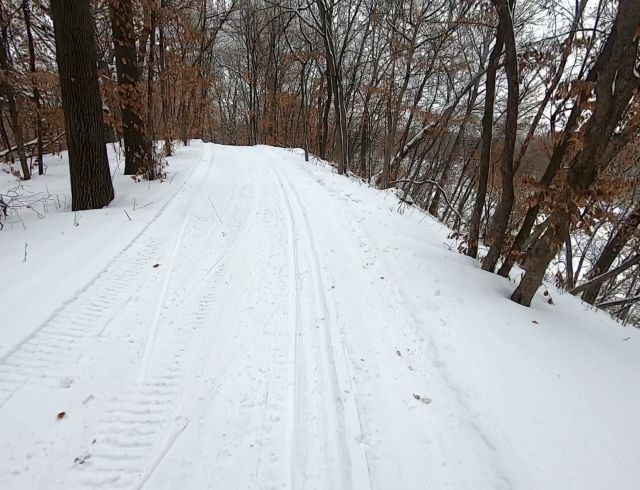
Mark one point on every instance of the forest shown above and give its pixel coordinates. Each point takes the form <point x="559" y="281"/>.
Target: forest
<point x="320" y="244"/>
<point x="514" y="123"/>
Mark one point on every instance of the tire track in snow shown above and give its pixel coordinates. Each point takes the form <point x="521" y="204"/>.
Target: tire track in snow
<point x="59" y="342"/>
<point x="148" y="347"/>
<point x="195" y="386"/>
<point x="140" y="427"/>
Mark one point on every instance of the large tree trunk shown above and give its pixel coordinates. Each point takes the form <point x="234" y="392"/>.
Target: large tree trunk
<point x="91" y="186"/>
<point x="152" y="170"/>
<point x="324" y="122"/>
<point x="137" y="145"/>
<point x="500" y="221"/>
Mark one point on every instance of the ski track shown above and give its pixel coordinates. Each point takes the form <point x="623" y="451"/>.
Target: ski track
<point x="410" y="329"/>
<point x="338" y="463"/>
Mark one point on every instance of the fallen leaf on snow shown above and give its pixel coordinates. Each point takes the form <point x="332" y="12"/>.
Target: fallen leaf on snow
<point x="424" y="400"/>
<point x="82" y="459"/>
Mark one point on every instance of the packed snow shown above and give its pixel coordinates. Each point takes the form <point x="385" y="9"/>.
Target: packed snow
<point x="256" y="321"/>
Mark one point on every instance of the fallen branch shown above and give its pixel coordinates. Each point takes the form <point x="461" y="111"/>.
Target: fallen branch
<point x="31" y="143"/>
<point x="433" y="182"/>
<point x="607" y="275"/>
<point x="6" y="151"/>
<point x="619" y="302"/>
<point x="18" y="198"/>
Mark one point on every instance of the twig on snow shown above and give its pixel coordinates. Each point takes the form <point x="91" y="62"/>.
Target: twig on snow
<point x="214" y="209"/>
<point x="432" y="182"/>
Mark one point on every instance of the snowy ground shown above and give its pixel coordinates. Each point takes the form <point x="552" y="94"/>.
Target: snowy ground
<point x="265" y="323"/>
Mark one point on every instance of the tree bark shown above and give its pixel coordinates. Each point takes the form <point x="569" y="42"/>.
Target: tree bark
<point x="26" y="9"/>
<point x="500" y="222"/>
<point x="334" y="74"/>
<point x="485" y="151"/>
<point x="164" y="99"/>
<point x="137" y="145"/>
<point x="611" y="251"/>
<point x="91" y="186"/>
<point x="152" y="170"/>
<point x="7" y="89"/>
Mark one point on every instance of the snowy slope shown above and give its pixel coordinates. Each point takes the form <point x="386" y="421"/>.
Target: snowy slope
<point x="296" y="332"/>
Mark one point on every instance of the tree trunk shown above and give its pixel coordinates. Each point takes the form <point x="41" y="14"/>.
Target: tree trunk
<point x="152" y="170"/>
<point x="5" y="138"/>
<point x="611" y="251"/>
<point x="485" y="151"/>
<point x="26" y="9"/>
<point x="324" y="139"/>
<point x="334" y="74"/>
<point x="7" y="89"/>
<point x="305" y="117"/>
<point x="164" y="99"/>
<point x="137" y="145"/>
<point x="91" y="186"/>
<point x="364" y="137"/>
<point x="500" y="222"/>
<point x="557" y="157"/>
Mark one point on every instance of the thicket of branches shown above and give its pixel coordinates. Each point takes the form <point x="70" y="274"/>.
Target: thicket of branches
<point x="514" y="122"/>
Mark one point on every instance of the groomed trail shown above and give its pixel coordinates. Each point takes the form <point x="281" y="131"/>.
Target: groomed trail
<point x="275" y="325"/>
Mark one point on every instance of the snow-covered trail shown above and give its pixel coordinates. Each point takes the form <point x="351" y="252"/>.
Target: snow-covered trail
<point x="268" y="330"/>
